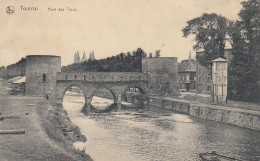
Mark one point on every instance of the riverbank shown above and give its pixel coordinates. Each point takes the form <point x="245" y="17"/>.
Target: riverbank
<point x="49" y="134"/>
<point x="228" y="115"/>
<point x="154" y="134"/>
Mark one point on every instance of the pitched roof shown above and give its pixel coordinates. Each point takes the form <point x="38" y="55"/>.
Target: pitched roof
<point x="22" y="80"/>
<point x="14" y="79"/>
<point x="187" y="65"/>
<point x="219" y="60"/>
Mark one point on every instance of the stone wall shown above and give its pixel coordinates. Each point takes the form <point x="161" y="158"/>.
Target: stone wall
<point x="36" y="67"/>
<point x="233" y="116"/>
<point x="239" y="117"/>
<point x="104" y="93"/>
<point x="162" y="75"/>
<point x="174" y="105"/>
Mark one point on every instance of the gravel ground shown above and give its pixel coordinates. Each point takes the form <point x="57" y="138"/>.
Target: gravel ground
<point x="32" y="115"/>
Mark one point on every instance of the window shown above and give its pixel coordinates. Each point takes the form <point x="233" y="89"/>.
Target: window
<point x="84" y="77"/>
<point x="75" y="76"/>
<point x="209" y="79"/>
<point x="191" y="77"/>
<point x="44" y="77"/>
<point x="66" y="77"/>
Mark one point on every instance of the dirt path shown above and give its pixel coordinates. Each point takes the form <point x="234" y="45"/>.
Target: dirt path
<point x="35" y="143"/>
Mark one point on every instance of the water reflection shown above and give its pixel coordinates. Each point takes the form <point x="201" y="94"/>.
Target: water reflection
<point x="147" y="135"/>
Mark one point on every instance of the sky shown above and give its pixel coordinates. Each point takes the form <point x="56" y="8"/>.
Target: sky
<point x="107" y="27"/>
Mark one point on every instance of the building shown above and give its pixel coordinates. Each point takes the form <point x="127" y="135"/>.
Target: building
<point x="19" y="85"/>
<point x="203" y="74"/>
<point x="83" y="57"/>
<point x="76" y="57"/>
<point x="187" y="74"/>
<point x="41" y="72"/>
<point x="91" y="56"/>
<point x="162" y="75"/>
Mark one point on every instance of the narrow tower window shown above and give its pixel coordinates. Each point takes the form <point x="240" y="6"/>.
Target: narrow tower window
<point x="75" y="76"/>
<point x="44" y="77"/>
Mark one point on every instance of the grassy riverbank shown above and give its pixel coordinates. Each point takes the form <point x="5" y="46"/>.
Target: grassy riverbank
<point x="49" y="134"/>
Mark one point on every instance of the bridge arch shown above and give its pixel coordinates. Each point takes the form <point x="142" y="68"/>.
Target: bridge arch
<point x="74" y="85"/>
<point x="46" y="96"/>
<point x="141" y="88"/>
<point x="112" y="91"/>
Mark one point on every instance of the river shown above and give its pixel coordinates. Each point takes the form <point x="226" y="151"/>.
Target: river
<point x="133" y="135"/>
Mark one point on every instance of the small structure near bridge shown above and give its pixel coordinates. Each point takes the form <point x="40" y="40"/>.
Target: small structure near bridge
<point x="219" y="75"/>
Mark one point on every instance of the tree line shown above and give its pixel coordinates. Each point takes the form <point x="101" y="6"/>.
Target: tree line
<point x="13" y="70"/>
<point x="123" y="62"/>
<point x="212" y="31"/>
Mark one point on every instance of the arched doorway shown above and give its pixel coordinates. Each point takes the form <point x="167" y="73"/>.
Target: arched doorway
<point x="73" y="99"/>
<point x="134" y="96"/>
<point x="103" y="99"/>
<point x="45" y="95"/>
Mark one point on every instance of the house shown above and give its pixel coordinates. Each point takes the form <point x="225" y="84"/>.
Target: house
<point x="187" y="74"/>
<point x="19" y="85"/>
<point x="203" y="74"/>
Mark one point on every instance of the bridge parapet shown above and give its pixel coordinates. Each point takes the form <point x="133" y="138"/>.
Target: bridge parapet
<point x="103" y="76"/>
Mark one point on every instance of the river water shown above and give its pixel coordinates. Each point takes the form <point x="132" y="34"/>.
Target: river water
<point x="133" y="135"/>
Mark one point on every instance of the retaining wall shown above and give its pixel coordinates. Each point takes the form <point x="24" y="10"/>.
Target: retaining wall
<point x="238" y="117"/>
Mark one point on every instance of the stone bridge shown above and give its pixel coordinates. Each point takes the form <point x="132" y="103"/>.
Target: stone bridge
<point x="159" y="76"/>
<point x="91" y="82"/>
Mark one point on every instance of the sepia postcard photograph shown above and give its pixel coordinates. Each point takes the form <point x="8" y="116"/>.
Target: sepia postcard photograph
<point x="129" y="80"/>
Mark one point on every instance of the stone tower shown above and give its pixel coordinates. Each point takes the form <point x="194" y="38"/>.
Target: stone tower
<point x="162" y="75"/>
<point x="91" y="56"/>
<point x="41" y="72"/>
<point x="83" y="57"/>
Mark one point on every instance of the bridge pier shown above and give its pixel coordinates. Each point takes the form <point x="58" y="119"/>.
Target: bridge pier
<point x="87" y="106"/>
<point x="148" y="103"/>
<point x="119" y="102"/>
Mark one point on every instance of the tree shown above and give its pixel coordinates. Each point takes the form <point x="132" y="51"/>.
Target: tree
<point x="123" y="62"/>
<point x="157" y="53"/>
<point x="244" y="68"/>
<point x="138" y="55"/>
<point x="150" y="55"/>
<point x="211" y="34"/>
